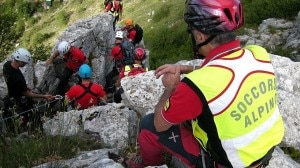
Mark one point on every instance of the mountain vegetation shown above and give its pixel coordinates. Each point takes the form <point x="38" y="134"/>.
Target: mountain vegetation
<point x="28" y="24"/>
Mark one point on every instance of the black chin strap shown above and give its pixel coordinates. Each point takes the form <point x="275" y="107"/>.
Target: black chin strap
<point x="197" y="46"/>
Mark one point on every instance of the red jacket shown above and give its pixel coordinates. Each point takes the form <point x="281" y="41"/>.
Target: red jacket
<point x="116" y="53"/>
<point x="74" y="59"/>
<point x="114" y="7"/>
<point x="131" y="70"/>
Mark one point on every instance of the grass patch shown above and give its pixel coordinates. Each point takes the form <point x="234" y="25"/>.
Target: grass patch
<point x="40" y="37"/>
<point x="292" y="152"/>
<point x="272" y="29"/>
<point x="63" y="17"/>
<point x="162" y="13"/>
<point x="39" y="149"/>
<point x="33" y="20"/>
<point x="280" y="50"/>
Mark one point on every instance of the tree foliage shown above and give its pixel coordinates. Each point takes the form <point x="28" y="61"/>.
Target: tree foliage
<point x="12" y="23"/>
<point x="8" y="35"/>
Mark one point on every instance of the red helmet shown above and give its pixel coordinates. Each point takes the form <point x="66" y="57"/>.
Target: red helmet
<point x="139" y="53"/>
<point x="214" y="17"/>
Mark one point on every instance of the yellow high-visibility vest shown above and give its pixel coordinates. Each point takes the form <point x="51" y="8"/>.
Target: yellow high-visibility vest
<point x="241" y="119"/>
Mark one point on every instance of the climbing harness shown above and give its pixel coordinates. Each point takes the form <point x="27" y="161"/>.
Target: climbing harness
<point x="86" y="90"/>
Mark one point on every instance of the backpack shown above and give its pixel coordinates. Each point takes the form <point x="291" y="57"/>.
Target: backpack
<point x="139" y="33"/>
<point x="128" y="52"/>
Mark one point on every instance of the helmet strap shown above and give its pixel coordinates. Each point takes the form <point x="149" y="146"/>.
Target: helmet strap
<point x="197" y="46"/>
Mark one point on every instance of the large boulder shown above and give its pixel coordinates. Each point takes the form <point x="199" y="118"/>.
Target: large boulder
<point x="114" y="124"/>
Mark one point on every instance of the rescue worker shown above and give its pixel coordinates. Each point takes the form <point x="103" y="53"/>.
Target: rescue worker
<point x="223" y="114"/>
<point x="87" y="93"/>
<point x="73" y="57"/>
<point x="129" y="28"/>
<point x="116" y="56"/>
<point x="20" y="98"/>
<point x="115" y="7"/>
<point x="130" y="70"/>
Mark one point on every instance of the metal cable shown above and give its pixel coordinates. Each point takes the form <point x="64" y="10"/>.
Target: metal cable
<point x="57" y="97"/>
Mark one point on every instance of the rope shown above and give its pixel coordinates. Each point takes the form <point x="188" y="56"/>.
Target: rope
<point x="57" y="97"/>
<point x="136" y="139"/>
<point x="202" y="158"/>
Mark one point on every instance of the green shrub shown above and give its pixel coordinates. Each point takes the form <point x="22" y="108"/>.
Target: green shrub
<point x="19" y="28"/>
<point x="40" y="52"/>
<point x="294" y="153"/>
<point x="169" y="45"/>
<point x="257" y="10"/>
<point x="9" y="32"/>
<point x="25" y="8"/>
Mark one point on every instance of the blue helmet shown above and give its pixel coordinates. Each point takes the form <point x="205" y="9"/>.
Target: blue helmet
<point x="85" y="71"/>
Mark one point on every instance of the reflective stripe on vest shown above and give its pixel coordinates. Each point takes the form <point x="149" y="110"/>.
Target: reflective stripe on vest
<point x="127" y="70"/>
<point x="242" y="100"/>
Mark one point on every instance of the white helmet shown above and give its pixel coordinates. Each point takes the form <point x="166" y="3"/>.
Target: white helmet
<point x="22" y="54"/>
<point x="63" y="47"/>
<point x="119" y="34"/>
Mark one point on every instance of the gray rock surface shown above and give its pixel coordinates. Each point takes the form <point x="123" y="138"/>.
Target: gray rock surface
<point x="114" y="124"/>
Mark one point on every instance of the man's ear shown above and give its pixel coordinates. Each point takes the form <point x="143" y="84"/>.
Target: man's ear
<point x="199" y="37"/>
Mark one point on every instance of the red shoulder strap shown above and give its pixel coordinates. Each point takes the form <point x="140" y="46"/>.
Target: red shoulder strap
<point x="86" y="90"/>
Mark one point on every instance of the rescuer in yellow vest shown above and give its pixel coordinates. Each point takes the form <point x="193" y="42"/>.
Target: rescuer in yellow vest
<point x="221" y="114"/>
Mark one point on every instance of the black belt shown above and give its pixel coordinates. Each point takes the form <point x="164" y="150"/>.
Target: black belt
<point x="261" y="163"/>
<point x="264" y="161"/>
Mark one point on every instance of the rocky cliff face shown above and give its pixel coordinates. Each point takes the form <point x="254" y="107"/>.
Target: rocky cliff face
<point x="116" y="124"/>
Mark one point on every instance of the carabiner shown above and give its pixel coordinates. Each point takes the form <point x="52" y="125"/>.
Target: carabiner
<point x="58" y="97"/>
